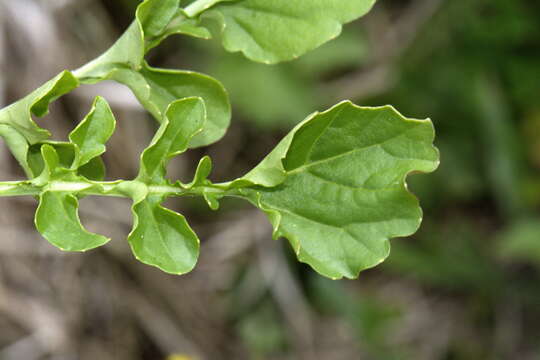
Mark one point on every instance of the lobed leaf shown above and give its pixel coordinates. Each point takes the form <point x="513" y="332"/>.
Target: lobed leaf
<point x="19" y="115"/>
<point x="271" y="171"/>
<point x="155" y="15"/>
<point x="163" y="238"/>
<point x="204" y="168"/>
<point x="66" y="163"/>
<point x="59" y="154"/>
<point x="184" y="119"/>
<point x="57" y="216"/>
<point x="58" y="221"/>
<point x="16" y="123"/>
<point x="126" y="53"/>
<point x="188" y="27"/>
<point x="80" y="156"/>
<point x="179" y="24"/>
<point x="205" y="186"/>
<point x="343" y="194"/>
<point x="157" y="88"/>
<point x="51" y="165"/>
<point x="281" y="30"/>
<point x="92" y="133"/>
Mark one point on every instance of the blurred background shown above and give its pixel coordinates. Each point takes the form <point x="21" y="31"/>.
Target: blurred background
<point x="466" y="286"/>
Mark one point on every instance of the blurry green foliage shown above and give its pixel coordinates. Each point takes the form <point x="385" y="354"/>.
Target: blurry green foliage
<point x="370" y="317"/>
<point x="447" y="256"/>
<point x="263" y="331"/>
<point x="521" y="242"/>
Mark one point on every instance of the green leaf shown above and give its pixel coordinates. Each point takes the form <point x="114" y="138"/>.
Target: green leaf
<point x="59" y="154"/>
<point x="200" y="180"/>
<point x="51" y="165"/>
<point x="184" y="119"/>
<point x="163" y="238"/>
<point x="155" y="15"/>
<point x="126" y="53"/>
<point x="58" y="221"/>
<point x="281" y="30"/>
<point x="92" y="133"/>
<point x="18" y="116"/>
<point x="157" y="88"/>
<point x="57" y="216"/>
<point x="204" y="168"/>
<point x="160" y="19"/>
<point x="271" y="172"/>
<point x="180" y="26"/>
<point x="343" y="194"/>
<point x="38" y="101"/>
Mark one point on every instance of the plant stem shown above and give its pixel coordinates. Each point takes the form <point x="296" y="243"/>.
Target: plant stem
<point x="199" y="6"/>
<point x="100" y="188"/>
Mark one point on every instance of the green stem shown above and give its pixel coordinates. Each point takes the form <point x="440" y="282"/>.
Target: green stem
<point x="199" y="6"/>
<point x="99" y="188"/>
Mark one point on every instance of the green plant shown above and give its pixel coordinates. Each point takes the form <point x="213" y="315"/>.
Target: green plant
<point x="334" y="186"/>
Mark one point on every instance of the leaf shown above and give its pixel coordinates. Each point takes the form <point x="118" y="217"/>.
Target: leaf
<point x="183" y="26"/>
<point x="163" y="238"/>
<point x="204" y="168"/>
<point x="155" y="15"/>
<point x="49" y="166"/>
<point x="343" y="193"/>
<point x="184" y="119"/>
<point x="57" y="216"/>
<point x="126" y="53"/>
<point x="157" y="88"/>
<point x="93" y="132"/>
<point x="18" y="116"/>
<point x="51" y="159"/>
<point x="200" y="180"/>
<point x="271" y="172"/>
<point x="180" y="24"/>
<point x="160" y="19"/>
<point x="58" y="221"/>
<point x="281" y="30"/>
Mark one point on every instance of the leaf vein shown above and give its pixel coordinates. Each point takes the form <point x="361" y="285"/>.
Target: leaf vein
<point x="349" y="152"/>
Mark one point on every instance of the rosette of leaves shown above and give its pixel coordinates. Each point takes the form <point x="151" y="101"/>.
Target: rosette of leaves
<point x="334" y="186"/>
